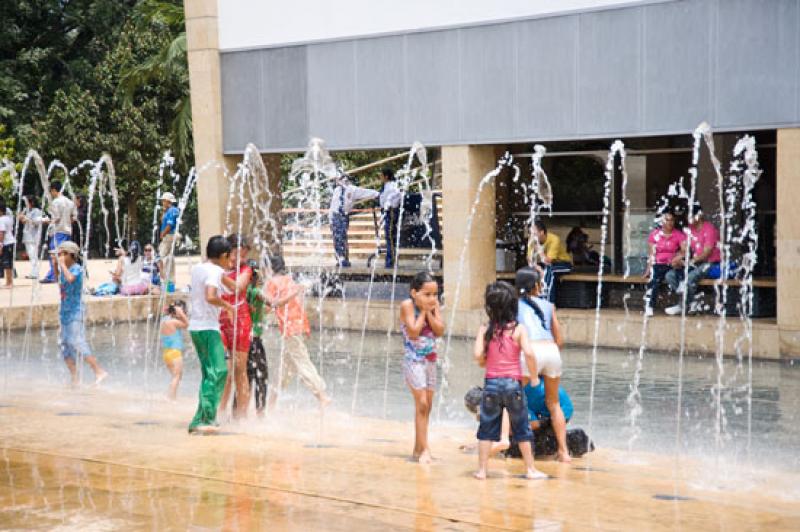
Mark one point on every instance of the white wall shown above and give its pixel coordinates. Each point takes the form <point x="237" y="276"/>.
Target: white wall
<point x="262" y="23"/>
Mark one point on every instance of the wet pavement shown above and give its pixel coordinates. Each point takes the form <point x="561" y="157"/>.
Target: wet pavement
<point x="119" y="457"/>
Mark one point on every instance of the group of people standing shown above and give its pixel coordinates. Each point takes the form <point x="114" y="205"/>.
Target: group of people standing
<point x="66" y="221"/>
<point x="343" y="199"/>
<point x="520" y="349"/>
<point x="230" y="296"/>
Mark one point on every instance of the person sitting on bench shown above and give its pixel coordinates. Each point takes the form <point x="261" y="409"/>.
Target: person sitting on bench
<point x="547" y="249"/>
<point x="703" y="262"/>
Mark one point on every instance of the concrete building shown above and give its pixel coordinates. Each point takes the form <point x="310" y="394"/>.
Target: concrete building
<point x="476" y="80"/>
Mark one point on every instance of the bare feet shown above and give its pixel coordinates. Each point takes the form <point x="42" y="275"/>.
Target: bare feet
<point x="480" y="474"/>
<point x="535" y="474"/>
<point x="425" y="457"/>
<point x="100" y="377"/>
<point x="564" y="457"/>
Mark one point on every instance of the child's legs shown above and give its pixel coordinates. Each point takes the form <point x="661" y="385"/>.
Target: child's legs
<point x="176" y="369"/>
<point x="226" y="389"/>
<point x="242" y="399"/>
<point x="422" y="408"/>
<point x="211" y="354"/>
<point x="556" y="414"/>
<point x="258" y="372"/>
<point x="297" y="352"/>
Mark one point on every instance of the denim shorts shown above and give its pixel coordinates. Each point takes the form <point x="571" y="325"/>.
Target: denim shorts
<point x="498" y="394"/>
<point x="72" y="340"/>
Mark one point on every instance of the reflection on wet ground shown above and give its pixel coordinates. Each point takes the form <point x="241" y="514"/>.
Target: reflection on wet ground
<point x="119" y="457"/>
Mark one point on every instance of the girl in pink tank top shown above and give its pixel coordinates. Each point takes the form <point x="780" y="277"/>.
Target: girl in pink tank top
<point x="497" y="348"/>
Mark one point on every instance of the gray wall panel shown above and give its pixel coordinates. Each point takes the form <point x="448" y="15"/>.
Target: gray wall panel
<point x="608" y="71"/>
<point x="756" y="56"/>
<point x="545" y="74"/>
<point x="642" y="70"/>
<point x="381" y="90"/>
<point x="242" y="115"/>
<point x="487" y="81"/>
<point x="284" y="97"/>
<point x="676" y="72"/>
<point x="431" y="69"/>
<point x="332" y="104"/>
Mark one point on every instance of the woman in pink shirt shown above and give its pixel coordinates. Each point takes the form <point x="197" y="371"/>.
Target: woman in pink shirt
<point x="664" y="254"/>
<point x="704" y="254"/>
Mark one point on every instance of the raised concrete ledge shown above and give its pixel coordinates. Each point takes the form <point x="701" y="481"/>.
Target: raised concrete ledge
<point x="663" y="333"/>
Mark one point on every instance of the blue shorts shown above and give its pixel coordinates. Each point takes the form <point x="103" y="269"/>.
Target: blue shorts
<point x="72" y="340"/>
<point x="57" y="239"/>
<point x="499" y="394"/>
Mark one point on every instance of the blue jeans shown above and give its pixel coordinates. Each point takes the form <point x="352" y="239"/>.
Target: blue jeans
<point x="696" y="274"/>
<point x="339" y="226"/>
<point x="551" y="273"/>
<point x="498" y="394"/>
<point x="390" y="217"/>
<point x="659" y="272"/>
<point x="52" y="244"/>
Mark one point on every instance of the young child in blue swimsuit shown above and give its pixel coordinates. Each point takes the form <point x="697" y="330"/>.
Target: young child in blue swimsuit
<point x="421" y="324"/>
<point x="172" y="326"/>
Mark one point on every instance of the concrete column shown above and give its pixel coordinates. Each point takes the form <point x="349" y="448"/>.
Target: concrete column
<point x="788" y="246"/>
<point x="463" y="167"/>
<point x="202" y="40"/>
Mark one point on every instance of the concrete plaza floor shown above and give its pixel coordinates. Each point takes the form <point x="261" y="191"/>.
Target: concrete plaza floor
<point x="95" y="459"/>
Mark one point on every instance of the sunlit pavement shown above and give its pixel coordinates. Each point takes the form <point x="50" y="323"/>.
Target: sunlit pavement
<point x="93" y="459"/>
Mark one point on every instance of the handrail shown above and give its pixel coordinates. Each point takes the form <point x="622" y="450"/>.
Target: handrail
<point x="359" y="169"/>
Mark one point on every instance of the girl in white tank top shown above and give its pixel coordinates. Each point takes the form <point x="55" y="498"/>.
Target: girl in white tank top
<point x="544" y="333"/>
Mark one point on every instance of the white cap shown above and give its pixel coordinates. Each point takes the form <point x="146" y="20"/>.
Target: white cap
<point x="169" y="197"/>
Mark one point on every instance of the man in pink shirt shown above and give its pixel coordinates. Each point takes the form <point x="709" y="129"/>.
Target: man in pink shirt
<point x="703" y="255"/>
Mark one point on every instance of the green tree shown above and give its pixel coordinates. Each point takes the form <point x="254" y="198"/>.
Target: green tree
<point x="7" y="152"/>
<point x="167" y="64"/>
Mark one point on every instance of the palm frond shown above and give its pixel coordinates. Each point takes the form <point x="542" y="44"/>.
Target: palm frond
<point x="181" y="129"/>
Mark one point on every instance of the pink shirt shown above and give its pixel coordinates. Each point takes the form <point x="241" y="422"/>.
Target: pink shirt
<point x="502" y="357"/>
<point x="666" y="245"/>
<point x="706" y="237"/>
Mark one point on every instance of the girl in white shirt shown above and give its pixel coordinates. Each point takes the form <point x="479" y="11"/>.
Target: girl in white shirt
<point x="129" y="272"/>
<point x="31" y="217"/>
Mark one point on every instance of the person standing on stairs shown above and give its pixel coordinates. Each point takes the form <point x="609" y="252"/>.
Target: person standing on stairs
<point x="345" y="194"/>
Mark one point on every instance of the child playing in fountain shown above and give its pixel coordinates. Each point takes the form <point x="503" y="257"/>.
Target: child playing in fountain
<point x="421" y="324"/>
<point x="257" y="371"/>
<point x="286" y="297"/>
<point x="207" y="283"/>
<point x="497" y="348"/>
<point x="172" y="325"/>
<point x="236" y="329"/>
<point x="544" y="334"/>
<point x="72" y="339"/>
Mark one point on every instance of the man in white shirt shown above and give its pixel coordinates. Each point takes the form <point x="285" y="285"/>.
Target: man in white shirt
<point x="62" y="214"/>
<point x="390" y="206"/>
<point x="345" y="194"/>
<point x="8" y="240"/>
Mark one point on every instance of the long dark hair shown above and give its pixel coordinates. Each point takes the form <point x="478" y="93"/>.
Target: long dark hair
<point x="501" y="307"/>
<point x="525" y="281"/>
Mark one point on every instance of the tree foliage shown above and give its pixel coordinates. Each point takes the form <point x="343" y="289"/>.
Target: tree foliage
<point x="79" y="78"/>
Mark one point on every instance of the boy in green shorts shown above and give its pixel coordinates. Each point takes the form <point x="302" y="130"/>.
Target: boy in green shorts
<point x="207" y="283"/>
